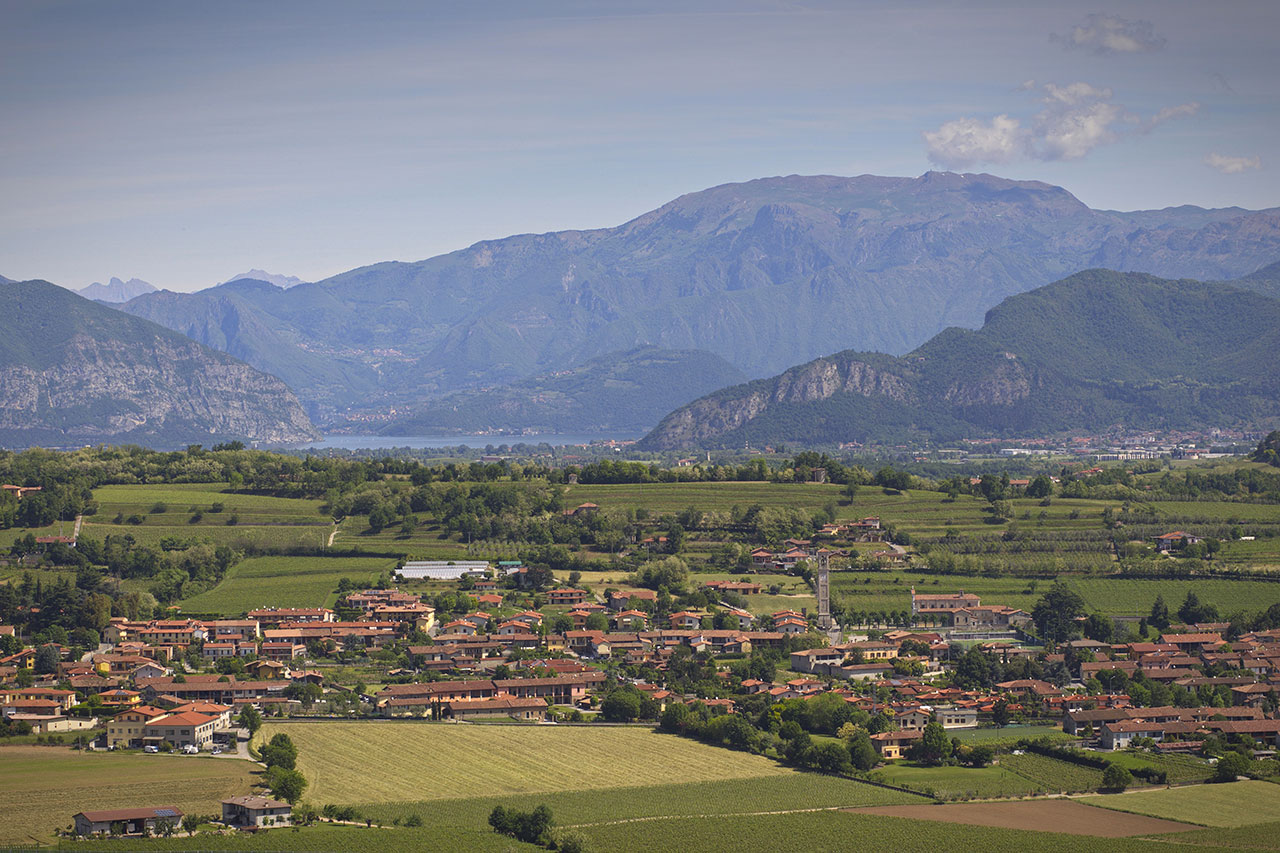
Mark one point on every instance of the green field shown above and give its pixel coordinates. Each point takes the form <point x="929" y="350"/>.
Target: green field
<point x="956" y="782"/>
<point x="1010" y="735"/>
<point x="472" y="761"/>
<point x="1051" y="775"/>
<point x="41" y="787"/>
<point x="1227" y="805"/>
<point x="284" y="582"/>
<point x="1179" y="768"/>
<point x="890" y="591"/>
<point x="840" y="831"/>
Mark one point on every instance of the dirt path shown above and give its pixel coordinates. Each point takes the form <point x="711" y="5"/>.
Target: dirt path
<point x="332" y="534"/>
<point x="1056" y="815"/>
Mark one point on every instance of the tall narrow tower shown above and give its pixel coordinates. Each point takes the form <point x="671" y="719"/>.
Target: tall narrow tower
<point x="825" y="621"/>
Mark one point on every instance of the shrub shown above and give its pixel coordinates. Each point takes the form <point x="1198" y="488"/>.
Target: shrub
<point x="1116" y="778"/>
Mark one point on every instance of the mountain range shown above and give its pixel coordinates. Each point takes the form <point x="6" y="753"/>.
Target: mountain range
<point x="610" y="393"/>
<point x="765" y="274"/>
<point x="73" y="371"/>
<point x="1094" y="350"/>
<point x="116" y="290"/>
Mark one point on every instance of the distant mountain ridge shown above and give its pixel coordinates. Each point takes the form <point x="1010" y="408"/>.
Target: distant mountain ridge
<point x="765" y="274"/>
<point x="282" y="281"/>
<point x="116" y="290"/>
<point x="613" y="392"/>
<point x="73" y="371"/>
<point x="1096" y="349"/>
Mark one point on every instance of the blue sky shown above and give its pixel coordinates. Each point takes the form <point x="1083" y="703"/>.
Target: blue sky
<point x="185" y="142"/>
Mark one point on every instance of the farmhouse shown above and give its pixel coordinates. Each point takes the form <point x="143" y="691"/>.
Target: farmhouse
<point x="256" y="812"/>
<point x="892" y="745"/>
<point x="147" y="821"/>
<point x="1174" y="541"/>
<point x="566" y="595"/>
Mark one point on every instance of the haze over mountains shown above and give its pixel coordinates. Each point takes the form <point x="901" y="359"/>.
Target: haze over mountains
<point x="116" y="290"/>
<point x="1094" y="350"/>
<point x="764" y="274"/>
<point x="614" y="328"/>
<point x="73" y="371"/>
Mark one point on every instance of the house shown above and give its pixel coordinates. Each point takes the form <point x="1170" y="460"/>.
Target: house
<point x="135" y="822"/>
<point x="912" y="719"/>
<point x="686" y="620"/>
<point x="265" y="670"/>
<point x="184" y="729"/>
<point x="1120" y="734"/>
<point x="582" y="510"/>
<point x="952" y="717"/>
<point x="621" y="599"/>
<point x="946" y="604"/>
<point x="566" y="595"/>
<point x="739" y="587"/>
<point x="892" y="745"/>
<point x="791" y="625"/>
<point x="256" y="812"/>
<point x="1175" y="541"/>
<point x="507" y="706"/>
<point x="126" y="728"/>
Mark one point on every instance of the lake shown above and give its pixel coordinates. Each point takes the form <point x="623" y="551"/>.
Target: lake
<point x="420" y="442"/>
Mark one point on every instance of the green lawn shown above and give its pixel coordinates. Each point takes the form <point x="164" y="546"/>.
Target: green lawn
<point x="1227" y="805"/>
<point x="1010" y="735"/>
<point x="285" y="582"/>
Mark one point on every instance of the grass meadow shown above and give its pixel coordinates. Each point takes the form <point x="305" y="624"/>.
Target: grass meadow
<point x="41" y="787"/>
<point x="1231" y="804"/>
<point x="284" y="582"/>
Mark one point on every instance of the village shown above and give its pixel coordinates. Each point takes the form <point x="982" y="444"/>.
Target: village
<point x="556" y="654"/>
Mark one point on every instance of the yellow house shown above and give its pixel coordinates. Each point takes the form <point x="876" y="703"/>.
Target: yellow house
<point x="126" y="728"/>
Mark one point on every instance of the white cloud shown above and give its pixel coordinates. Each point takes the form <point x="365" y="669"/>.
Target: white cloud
<point x="1110" y="34"/>
<point x="1180" y="111"/>
<point x="1072" y="121"/>
<point x="1232" y="165"/>
<point x="968" y="141"/>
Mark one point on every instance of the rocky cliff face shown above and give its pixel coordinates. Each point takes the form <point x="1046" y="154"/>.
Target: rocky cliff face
<point x="1094" y="350"/>
<point x="72" y="371"/>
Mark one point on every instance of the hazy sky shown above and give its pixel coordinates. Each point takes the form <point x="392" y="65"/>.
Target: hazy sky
<point x="184" y="142"/>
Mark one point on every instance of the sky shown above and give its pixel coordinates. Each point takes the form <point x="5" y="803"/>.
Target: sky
<point x="183" y="143"/>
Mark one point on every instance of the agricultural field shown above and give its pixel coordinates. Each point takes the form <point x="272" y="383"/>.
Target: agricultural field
<point x="1180" y="769"/>
<point x="1010" y="735"/>
<point x="956" y="782"/>
<point x="1225" y="805"/>
<point x="1050" y="775"/>
<point x="473" y="760"/>
<point x="189" y="511"/>
<point x="285" y="582"/>
<point x="891" y="591"/>
<point x="41" y="787"/>
<point x="841" y="831"/>
<point x="1058" y="815"/>
<point x="794" y="790"/>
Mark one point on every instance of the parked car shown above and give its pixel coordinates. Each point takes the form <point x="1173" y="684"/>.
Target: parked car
<point x="190" y="749"/>
<point x="151" y="748"/>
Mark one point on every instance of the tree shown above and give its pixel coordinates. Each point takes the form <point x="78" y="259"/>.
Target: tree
<point x="280" y="752"/>
<point x="1230" y="767"/>
<point x="1116" y="778"/>
<point x="862" y="753"/>
<point x="934" y="747"/>
<point x="621" y="706"/>
<point x="286" y="784"/>
<point x="1040" y="487"/>
<point x="1000" y="714"/>
<point x="251" y="719"/>
<point x="1055" y="613"/>
<point x="46" y="659"/>
<point x="1159" y="613"/>
<point x="1193" y="611"/>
